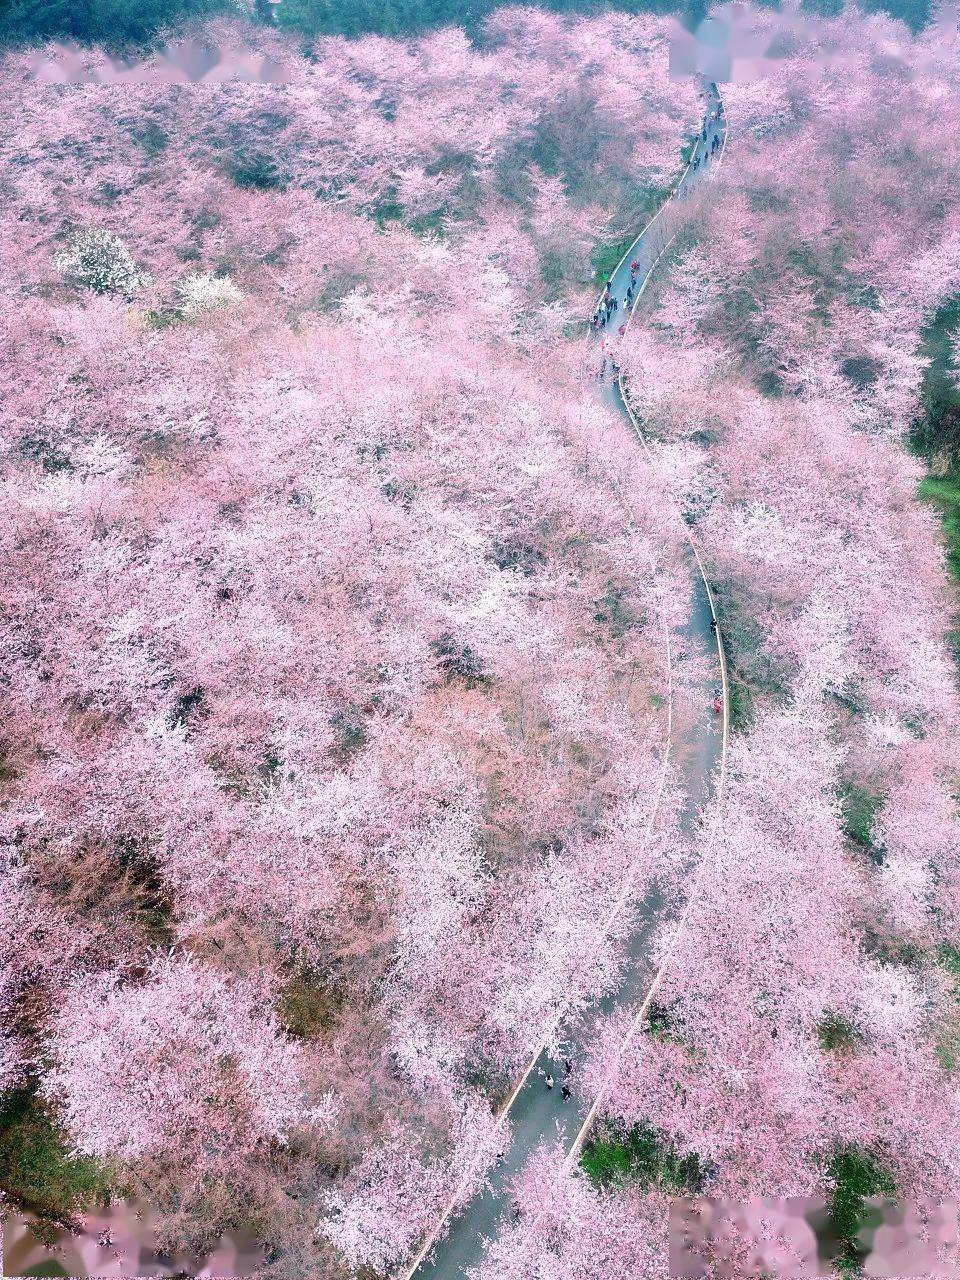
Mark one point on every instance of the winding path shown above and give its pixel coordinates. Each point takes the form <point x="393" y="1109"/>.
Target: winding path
<point x="532" y="1113"/>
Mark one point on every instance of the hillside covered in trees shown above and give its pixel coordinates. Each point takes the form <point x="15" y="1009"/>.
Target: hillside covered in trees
<point x="343" y="632"/>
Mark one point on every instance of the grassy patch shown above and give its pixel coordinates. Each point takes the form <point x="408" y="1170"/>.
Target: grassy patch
<point x="837" y="1034"/>
<point x="948" y="1039"/>
<point x="752" y="672"/>
<point x="642" y="1156"/>
<point x="860" y="807"/>
<point x="36" y="1169"/>
<point x="936" y="432"/>
<point x="741" y="701"/>
<point x="662" y="1025"/>
<point x="943" y="493"/>
<point x="854" y="1176"/>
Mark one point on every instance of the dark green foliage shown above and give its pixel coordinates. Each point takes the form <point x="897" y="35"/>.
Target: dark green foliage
<point x="255" y="170"/>
<point x="936" y="433"/>
<point x="35" y="1168"/>
<point x="943" y="493"/>
<point x="406" y="17"/>
<point x="854" y="1176"/>
<point x="645" y="1157"/>
<point x="457" y="661"/>
<point x="117" y="24"/>
<point x="662" y="1024"/>
<point x="863" y="371"/>
<point x="133" y="24"/>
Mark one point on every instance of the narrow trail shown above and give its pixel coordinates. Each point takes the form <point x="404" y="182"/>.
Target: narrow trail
<point x="533" y="1113"/>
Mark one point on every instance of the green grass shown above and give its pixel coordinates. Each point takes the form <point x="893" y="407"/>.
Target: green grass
<point x="837" y="1034"/>
<point x="854" y="1176"/>
<point x="36" y="1170"/>
<point x="935" y="437"/>
<point x="662" y="1025"/>
<point x="606" y="256"/>
<point x="741" y="701"/>
<point x="948" y="1039"/>
<point x="936" y="433"/>
<point x="860" y="808"/>
<point x="644" y="1157"/>
<point x="943" y="494"/>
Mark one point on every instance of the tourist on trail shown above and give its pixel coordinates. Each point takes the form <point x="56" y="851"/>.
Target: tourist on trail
<point x="549" y="1081"/>
<point x="565" y="1093"/>
<point x="713" y="625"/>
<point x="568" y="1066"/>
<point x="622" y="330"/>
<point x="717" y="705"/>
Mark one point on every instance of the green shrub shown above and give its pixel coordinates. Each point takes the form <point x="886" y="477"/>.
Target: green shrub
<point x="645" y="1157"/>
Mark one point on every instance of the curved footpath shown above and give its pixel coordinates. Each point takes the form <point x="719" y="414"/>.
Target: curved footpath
<point x="534" y="1114"/>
